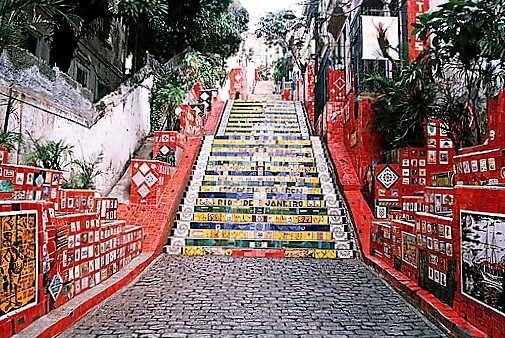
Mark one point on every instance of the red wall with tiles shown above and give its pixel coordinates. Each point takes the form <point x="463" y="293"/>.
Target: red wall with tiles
<point x="238" y="83"/>
<point x="484" y="200"/>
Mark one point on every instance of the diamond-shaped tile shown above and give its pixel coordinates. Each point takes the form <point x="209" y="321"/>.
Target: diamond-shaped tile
<point x="143" y="191"/>
<point x="150" y="179"/>
<point x="164" y="150"/>
<point x="144" y="168"/>
<point x="164" y="138"/>
<point x="138" y="178"/>
<point x="387" y="177"/>
<point x="204" y="96"/>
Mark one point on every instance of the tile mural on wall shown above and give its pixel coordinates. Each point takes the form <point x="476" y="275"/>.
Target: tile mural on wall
<point x="18" y="261"/>
<point x="483" y="258"/>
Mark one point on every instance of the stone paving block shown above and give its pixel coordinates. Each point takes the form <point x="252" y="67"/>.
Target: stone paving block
<point x="205" y="297"/>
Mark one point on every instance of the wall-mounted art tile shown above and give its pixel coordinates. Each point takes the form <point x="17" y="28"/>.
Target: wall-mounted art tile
<point x="387" y="177"/>
<point x="345" y="254"/>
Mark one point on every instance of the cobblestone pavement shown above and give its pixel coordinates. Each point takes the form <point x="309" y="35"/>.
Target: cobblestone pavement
<point x="209" y="296"/>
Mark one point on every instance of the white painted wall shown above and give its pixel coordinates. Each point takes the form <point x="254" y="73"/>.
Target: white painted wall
<point x="116" y="131"/>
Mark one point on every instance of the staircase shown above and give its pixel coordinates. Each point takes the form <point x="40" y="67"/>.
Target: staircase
<point x="264" y="91"/>
<point x="261" y="187"/>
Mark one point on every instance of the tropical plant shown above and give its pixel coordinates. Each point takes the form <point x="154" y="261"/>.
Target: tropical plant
<point x="403" y="104"/>
<point x="49" y="154"/>
<point x="282" y="69"/>
<point x="277" y="31"/>
<point x="87" y="172"/>
<point x="467" y="52"/>
<point x="207" y="69"/>
<point x="145" y="20"/>
<point x="9" y="139"/>
<point x="170" y="87"/>
<point x="17" y="16"/>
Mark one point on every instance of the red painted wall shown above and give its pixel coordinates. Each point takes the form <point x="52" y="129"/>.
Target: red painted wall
<point x="484" y="200"/>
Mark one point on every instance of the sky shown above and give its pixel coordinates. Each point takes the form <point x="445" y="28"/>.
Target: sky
<point x="257" y="8"/>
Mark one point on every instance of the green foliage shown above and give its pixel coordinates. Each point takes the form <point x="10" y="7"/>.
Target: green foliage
<point x="49" y="154"/>
<point x="17" y="16"/>
<point x="278" y="31"/>
<point x="87" y="172"/>
<point x="209" y="27"/>
<point x="403" y="104"/>
<point x="283" y="67"/>
<point x="205" y="68"/>
<point x="9" y="139"/>
<point x="218" y="32"/>
<point x="171" y="86"/>
<point x="146" y="13"/>
<point x="467" y="52"/>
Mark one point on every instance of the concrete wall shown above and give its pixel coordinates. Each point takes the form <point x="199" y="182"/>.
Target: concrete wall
<point x="114" y="126"/>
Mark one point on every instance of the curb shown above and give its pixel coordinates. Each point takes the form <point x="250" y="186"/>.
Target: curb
<point x="61" y="318"/>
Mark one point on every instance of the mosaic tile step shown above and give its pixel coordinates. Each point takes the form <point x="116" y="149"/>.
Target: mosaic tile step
<point x="246" y="139"/>
<point x="249" y="189"/>
<point x="267" y="218"/>
<point x="262" y="158"/>
<point x="239" y="243"/>
<point x="258" y="226"/>
<point x="270" y="196"/>
<point x="277" y="191"/>
<point x="278" y="179"/>
<point x="266" y="129"/>
<point x="268" y="235"/>
<point x="261" y="210"/>
<point x="339" y="231"/>
<point x="260" y="183"/>
<point x="251" y="148"/>
<point x="277" y="154"/>
<point x="228" y="172"/>
<point x="251" y="120"/>
<point x="258" y="163"/>
<point x="267" y="168"/>
<point x="271" y="253"/>
<point x="262" y="203"/>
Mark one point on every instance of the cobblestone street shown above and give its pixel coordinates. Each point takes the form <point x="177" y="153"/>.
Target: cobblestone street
<point x="209" y="296"/>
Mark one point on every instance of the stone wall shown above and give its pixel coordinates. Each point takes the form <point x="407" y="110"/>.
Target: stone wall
<point x="115" y="126"/>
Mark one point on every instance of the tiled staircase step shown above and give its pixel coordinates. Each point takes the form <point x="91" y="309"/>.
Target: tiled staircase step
<point x="258" y="226"/>
<point x="272" y="253"/>
<point x="261" y="235"/>
<point x="259" y="203"/>
<point x="252" y="243"/>
<point x="254" y="234"/>
<point x="275" y="189"/>
<point x="260" y="210"/>
<point x="262" y="182"/>
<point x="246" y="139"/>
<point x="231" y="172"/>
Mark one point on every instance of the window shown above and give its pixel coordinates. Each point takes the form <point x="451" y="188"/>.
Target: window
<point x="31" y="43"/>
<point x="81" y="75"/>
